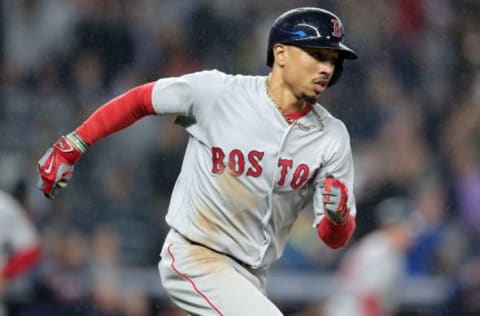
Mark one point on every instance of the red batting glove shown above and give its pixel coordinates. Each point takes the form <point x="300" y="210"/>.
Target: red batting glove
<point x="55" y="167"/>
<point x="335" y="197"/>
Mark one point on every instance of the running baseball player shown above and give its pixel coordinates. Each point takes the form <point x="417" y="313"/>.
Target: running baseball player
<point x="261" y="149"/>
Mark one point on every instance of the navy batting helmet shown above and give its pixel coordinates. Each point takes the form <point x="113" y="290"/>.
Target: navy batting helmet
<point x="310" y="27"/>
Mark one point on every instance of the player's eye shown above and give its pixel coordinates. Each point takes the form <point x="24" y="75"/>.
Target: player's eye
<point x="322" y="56"/>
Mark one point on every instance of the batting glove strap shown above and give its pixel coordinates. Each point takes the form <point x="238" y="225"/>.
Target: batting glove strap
<point x="56" y="166"/>
<point x="77" y="142"/>
<point x="335" y="197"/>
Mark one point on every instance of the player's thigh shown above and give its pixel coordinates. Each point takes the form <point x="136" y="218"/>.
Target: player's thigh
<point x="203" y="282"/>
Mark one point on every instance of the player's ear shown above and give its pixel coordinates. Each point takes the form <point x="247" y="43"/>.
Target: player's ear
<point x="279" y="54"/>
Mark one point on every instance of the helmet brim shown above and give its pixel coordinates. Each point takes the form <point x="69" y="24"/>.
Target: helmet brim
<point x="345" y="51"/>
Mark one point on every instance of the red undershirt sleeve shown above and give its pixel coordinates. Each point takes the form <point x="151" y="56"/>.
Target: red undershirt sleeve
<point x="21" y="261"/>
<point x="335" y="236"/>
<point x="117" y="114"/>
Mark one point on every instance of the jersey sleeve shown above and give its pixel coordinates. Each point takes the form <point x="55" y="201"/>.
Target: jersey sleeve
<point x="19" y="239"/>
<point x="187" y="95"/>
<point x="339" y="163"/>
<point x="191" y="98"/>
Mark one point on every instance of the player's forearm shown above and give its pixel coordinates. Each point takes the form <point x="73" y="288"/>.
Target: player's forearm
<point x="56" y="166"/>
<point x="117" y="114"/>
<point x="333" y="235"/>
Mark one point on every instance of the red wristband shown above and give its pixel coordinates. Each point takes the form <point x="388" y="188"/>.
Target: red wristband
<point x="336" y="236"/>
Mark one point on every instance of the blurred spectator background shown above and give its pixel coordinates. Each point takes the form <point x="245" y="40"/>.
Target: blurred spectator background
<point x="411" y="103"/>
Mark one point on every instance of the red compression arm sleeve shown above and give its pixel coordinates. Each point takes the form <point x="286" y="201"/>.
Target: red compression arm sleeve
<point x="21" y="261"/>
<point x="117" y="114"/>
<point x="335" y="236"/>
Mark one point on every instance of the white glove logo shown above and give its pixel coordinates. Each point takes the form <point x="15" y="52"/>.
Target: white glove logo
<point x="49" y="168"/>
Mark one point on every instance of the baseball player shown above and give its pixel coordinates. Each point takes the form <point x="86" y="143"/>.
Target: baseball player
<point x="369" y="277"/>
<point x="261" y="148"/>
<point x="20" y="248"/>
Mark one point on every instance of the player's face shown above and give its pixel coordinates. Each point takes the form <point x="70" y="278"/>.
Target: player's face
<point x="309" y="70"/>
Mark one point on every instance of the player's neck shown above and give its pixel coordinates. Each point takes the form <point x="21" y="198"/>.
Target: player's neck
<point x="282" y="95"/>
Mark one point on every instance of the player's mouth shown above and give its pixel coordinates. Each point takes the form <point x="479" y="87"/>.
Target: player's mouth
<point x="320" y="85"/>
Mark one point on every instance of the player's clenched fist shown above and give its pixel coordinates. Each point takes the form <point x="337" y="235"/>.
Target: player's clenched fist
<point x="55" y="167"/>
<point x="335" y="197"/>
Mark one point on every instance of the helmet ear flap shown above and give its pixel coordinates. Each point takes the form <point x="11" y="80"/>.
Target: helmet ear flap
<point x="338" y="72"/>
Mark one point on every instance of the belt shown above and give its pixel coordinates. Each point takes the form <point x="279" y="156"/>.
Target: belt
<point x="243" y="264"/>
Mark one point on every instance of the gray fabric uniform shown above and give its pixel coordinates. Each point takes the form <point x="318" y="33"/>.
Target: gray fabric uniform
<point x="245" y="177"/>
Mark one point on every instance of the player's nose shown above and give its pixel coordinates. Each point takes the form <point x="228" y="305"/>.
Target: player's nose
<point x="325" y="69"/>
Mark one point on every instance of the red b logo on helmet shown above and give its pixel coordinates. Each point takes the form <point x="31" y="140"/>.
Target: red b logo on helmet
<point x="337" y="30"/>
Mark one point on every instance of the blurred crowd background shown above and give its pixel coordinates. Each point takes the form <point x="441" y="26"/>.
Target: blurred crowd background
<point x="411" y="103"/>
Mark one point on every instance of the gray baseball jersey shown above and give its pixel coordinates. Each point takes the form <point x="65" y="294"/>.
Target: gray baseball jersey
<point x="247" y="173"/>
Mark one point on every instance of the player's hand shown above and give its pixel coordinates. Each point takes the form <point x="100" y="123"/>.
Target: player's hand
<point x="55" y="167"/>
<point x="335" y="197"/>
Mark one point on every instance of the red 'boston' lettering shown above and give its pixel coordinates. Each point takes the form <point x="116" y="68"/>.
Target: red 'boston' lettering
<point x="217" y="160"/>
<point x="337" y="28"/>
<point x="284" y="164"/>
<point x="254" y="157"/>
<point x="236" y="162"/>
<point x="300" y="176"/>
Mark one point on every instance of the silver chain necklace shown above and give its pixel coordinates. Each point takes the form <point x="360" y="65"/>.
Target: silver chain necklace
<point x="297" y="122"/>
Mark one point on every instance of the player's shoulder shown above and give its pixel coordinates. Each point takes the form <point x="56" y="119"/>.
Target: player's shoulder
<point x="215" y="75"/>
<point x="330" y="121"/>
<point x="219" y="74"/>
<point x="209" y="74"/>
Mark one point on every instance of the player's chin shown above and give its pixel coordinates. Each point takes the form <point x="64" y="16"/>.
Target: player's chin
<point x="310" y="97"/>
